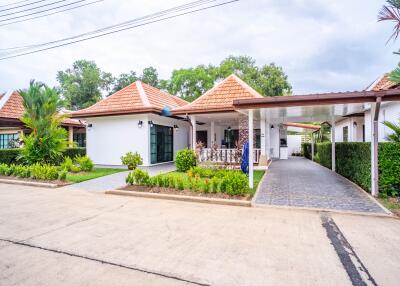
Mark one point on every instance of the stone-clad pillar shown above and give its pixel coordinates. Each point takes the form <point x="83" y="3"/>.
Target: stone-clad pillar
<point x="243" y="130"/>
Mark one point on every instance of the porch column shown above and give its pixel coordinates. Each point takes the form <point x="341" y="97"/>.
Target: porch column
<point x="375" y="107"/>
<point x="251" y="149"/>
<point x="263" y="138"/>
<point x="312" y="146"/>
<point x="70" y="136"/>
<point x="333" y="140"/>
<point x="194" y="139"/>
<point x="212" y="134"/>
<point x="267" y="140"/>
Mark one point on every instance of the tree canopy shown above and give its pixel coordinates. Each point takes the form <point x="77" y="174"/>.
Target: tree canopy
<point x="82" y="85"/>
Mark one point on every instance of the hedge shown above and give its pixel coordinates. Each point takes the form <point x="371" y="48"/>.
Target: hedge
<point x="9" y="156"/>
<point x="353" y="161"/>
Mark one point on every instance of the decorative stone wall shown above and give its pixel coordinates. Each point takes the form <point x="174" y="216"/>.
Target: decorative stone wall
<point x="243" y="130"/>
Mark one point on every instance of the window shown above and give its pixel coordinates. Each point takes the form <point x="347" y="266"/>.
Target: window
<point x="231" y="136"/>
<point x="346" y="134"/>
<point x="161" y="144"/>
<point x="363" y="132"/>
<point x="8" y="141"/>
<point x="80" y="139"/>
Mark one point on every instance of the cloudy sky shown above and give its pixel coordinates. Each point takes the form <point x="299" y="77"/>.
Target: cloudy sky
<point x="322" y="45"/>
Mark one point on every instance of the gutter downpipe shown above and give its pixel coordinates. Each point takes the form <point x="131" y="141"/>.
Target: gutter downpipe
<point x="375" y="109"/>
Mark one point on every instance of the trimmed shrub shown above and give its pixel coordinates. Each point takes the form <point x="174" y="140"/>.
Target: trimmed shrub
<point x="9" y="156"/>
<point x="85" y="163"/>
<point x="234" y="183"/>
<point x="185" y="159"/>
<point x="75" y="169"/>
<point x="44" y="172"/>
<point x="138" y="177"/>
<point x="132" y="160"/>
<point x="74" y="152"/>
<point x="4" y="169"/>
<point x="62" y="175"/>
<point x="353" y="161"/>
<point x="68" y="164"/>
<point x="306" y="150"/>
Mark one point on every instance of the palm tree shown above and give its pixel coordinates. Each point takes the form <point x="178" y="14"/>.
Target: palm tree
<point x="47" y="140"/>
<point x="391" y="12"/>
<point x="395" y="136"/>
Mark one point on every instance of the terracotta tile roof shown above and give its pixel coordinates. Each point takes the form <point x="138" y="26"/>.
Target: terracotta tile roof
<point x="137" y="97"/>
<point x="383" y="84"/>
<point x="220" y="98"/>
<point x="13" y="108"/>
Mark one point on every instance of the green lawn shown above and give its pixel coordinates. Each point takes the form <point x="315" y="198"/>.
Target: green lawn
<point x="96" y="173"/>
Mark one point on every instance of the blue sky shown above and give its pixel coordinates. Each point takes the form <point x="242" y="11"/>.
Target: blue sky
<point x="322" y="45"/>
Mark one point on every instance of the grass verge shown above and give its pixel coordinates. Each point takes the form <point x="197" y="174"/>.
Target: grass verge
<point x="392" y="204"/>
<point x="96" y="173"/>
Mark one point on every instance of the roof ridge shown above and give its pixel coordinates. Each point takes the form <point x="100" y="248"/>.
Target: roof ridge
<point x="5" y="98"/>
<point x="174" y="97"/>
<point x="142" y="93"/>
<point x="246" y="86"/>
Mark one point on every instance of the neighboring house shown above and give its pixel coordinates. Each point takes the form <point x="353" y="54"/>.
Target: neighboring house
<point x="357" y="126"/>
<point x="11" y="128"/>
<point x="134" y="119"/>
<point x="130" y="120"/>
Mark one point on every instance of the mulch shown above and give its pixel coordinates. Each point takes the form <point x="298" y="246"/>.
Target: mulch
<point x="170" y="191"/>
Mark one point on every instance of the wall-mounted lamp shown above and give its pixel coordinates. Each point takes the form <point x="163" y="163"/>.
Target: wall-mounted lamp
<point x="355" y="124"/>
<point x="151" y="124"/>
<point x="90" y="125"/>
<point x="140" y="124"/>
<point x="272" y="126"/>
<point x="229" y="128"/>
<point x="176" y="127"/>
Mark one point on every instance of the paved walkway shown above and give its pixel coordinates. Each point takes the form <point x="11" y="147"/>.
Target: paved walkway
<point x="115" y="181"/>
<point x="300" y="182"/>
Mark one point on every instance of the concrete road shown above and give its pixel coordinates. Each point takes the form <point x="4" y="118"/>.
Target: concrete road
<point x="60" y="237"/>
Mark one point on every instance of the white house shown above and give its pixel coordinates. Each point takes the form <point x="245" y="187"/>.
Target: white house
<point x="130" y="121"/>
<point x="356" y="127"/>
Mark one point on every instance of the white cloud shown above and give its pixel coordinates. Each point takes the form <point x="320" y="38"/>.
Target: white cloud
<point x="322" y="45"/>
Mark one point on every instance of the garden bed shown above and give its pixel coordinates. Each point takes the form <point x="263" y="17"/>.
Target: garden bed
<point x="33" y="182"/>
<point x="173" y="191"/>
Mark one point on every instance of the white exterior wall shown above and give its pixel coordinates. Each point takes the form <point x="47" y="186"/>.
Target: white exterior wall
<point x="274" y="141"/>
<point x="390" y="112"/>
<point x="294" y="144"/>
<point x="355" y="130"/>
<point x="111" y="137"/>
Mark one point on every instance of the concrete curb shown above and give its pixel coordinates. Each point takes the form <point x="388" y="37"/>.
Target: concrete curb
<point x="318" y="210"/>
<point x="29" y="183"/>
<point x="181" y="198"/>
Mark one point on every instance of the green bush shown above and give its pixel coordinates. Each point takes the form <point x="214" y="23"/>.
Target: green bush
<point x="74" y="152"/>
<point x="22" y="171"/>
<point x="132" y="160"/>
<point x="306" y="150"/>
<point x="353" y="161"/>
<point x="44" y="172"/>
<point x="85" y="163"/>
<point x="75" y="169"/>
<point x="234" y="183"/>
<point x="138" y="177"/>
<point x="68" y="164"/>
<point x="9" y="156"/>
<point x="4" y="169"/>
<point x="62" y="175"/>
<point x="185" y="159"/>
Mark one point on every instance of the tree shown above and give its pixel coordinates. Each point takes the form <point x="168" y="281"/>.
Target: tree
<point x="47" y="141"/>
<point x="150" y="76"/>
<point x="391" y="12"/>
<point x="269" y="80"/>
<point x="124" y="80"/>
<point x="82" y="85"/>
<point x="190" y="83"/>
<point x="395" y="136"/>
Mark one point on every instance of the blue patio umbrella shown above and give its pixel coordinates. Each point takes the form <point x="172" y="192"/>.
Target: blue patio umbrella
<point x="245" y="158"/>
<point x="166" y="111"/>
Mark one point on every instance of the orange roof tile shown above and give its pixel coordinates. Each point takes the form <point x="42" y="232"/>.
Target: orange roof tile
<point x="220" y="98"/>
<point x="137" y="97"/>
<point x="384" y="84"/>
<point x="13" y="108"/>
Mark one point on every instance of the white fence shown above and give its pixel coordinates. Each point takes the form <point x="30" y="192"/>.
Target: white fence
<point x="225" y="155"/>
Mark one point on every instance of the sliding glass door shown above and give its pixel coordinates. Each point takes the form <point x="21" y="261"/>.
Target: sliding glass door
<point x="161" y="144"/>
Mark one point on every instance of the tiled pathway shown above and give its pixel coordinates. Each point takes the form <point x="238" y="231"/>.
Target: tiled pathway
<point x="298" y="182"/>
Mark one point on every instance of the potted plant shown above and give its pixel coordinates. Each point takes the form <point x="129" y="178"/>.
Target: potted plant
<point x="132" y="160"/>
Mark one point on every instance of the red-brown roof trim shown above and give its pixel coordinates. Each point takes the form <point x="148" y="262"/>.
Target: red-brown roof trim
<point x="318" y="99"/>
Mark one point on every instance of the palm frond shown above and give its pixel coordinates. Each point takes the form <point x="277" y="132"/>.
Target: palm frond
<point x="391" y="13"/>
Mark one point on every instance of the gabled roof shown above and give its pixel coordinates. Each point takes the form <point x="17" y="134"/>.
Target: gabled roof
<point x="383" y="83"/>
<point x="11" y="107"/>
<point x="137" y="97"/>
<point x="220" y="98"/>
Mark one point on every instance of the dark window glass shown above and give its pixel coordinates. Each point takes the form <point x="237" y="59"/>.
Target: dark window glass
<point x="161" y="144"/>
<point x="345" y="134"/>
<point x="8" y="141"/>
<point x="80" y="139"/>
<point x="230" y="138"/>
<point x="363" y="132"/>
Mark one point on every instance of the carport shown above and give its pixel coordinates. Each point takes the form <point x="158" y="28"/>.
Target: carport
<point x="329" y="107"/>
